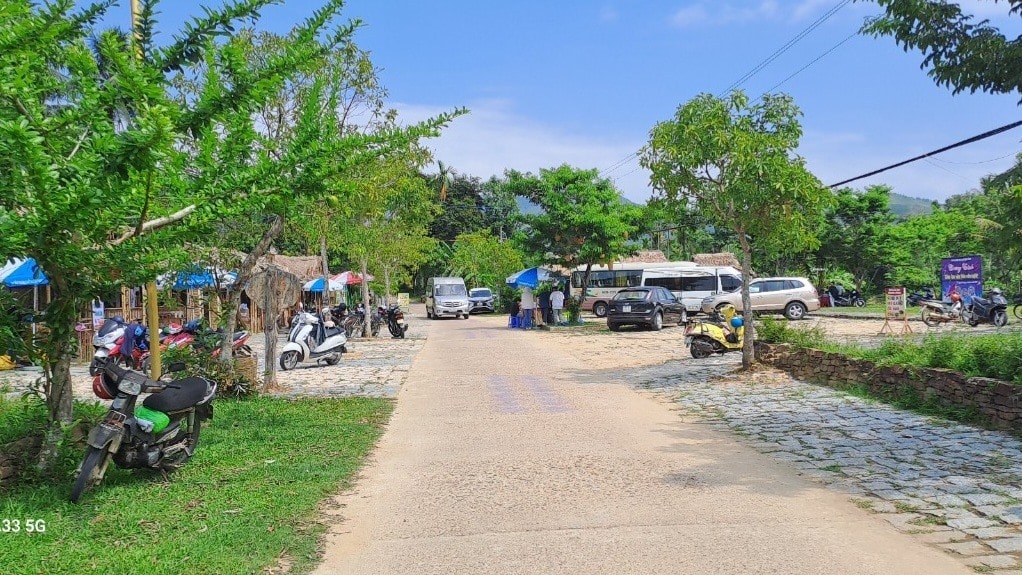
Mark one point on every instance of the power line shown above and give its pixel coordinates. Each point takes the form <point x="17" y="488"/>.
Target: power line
<point x="977" y="138"/>
<point x="787" y="46"/>
<point x="815" y="60"/>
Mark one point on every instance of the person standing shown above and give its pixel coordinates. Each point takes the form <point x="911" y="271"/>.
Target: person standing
<point x="528" y="307"/>
<point x="556" y="305"/>
<point x="544" y="307"/>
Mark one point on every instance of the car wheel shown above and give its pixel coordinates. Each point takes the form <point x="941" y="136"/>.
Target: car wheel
<point x="613" y="326"/>
<point x="600" y="309"/>
<point x="658" y="321"/>
<point x="795" y="311"/>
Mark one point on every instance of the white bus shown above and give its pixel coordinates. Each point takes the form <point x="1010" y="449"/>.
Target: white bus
<point x="689" y="281"/>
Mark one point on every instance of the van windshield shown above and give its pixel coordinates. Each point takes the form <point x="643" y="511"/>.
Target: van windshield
<point x="451" y="289"/>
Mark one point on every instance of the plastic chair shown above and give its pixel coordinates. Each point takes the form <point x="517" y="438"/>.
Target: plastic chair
<point x="512" y="322"/>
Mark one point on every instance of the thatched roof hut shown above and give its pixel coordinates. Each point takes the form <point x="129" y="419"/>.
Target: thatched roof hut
<point x="645" y="257"/>
<point x="305" y="268"/>
<point x="719" y="259"/>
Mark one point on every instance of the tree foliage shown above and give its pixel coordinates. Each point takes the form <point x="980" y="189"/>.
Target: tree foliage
<point x="483" y="260"/>
<point x="734" y="161"/>
<point x="856" y="235"/>
<point x="961" y="52"/>
<point x="583" y="219"/>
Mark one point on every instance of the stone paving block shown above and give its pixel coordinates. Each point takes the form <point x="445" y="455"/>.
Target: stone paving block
<point x="1012" y="516"/>
<point x="990" y="510"/>
<point x="903" y="521"/>
<point x="968" y="548"/>
<point x="1010" y="545"/>
<point x="992" y="561"/>
<point x="947" y="501"/>
<point x="993" y="532"/>
<point x="970" y="523"/>
<point x="949" y="536"/>
<point x="983" y="498"/>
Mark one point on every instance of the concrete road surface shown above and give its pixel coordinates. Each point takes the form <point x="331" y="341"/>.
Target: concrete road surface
<point x="500" y="459"/>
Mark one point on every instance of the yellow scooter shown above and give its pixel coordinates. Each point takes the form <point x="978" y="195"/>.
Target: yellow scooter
<point x="721" y="333"/>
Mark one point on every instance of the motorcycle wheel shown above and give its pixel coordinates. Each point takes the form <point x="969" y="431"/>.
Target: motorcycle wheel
<point x="395" y="330"/>
<point x="375" y="328"/>
<point x="928" y="317"/>
<point x="288" y="360"/>
<point x="700" y="349"/>
<point x="1000" y="318"/>
<point x="94" y="367"/>
<point x="93" y="458"/>
<point x="859" y="302"/>
<point x="333" y="359"/>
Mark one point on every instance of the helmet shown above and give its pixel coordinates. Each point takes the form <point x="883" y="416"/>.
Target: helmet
<point x="103" y="386"/>
<point x="955" y="297"/>
<point x="996" y="291"/>
<point x="736" y="322"/>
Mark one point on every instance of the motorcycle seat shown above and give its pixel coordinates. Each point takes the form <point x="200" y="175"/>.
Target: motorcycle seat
<point x="190" y="392"/>
<point x="332" y="331"/>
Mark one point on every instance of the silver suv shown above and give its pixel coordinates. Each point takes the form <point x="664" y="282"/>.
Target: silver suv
<point x="792" y="296"/>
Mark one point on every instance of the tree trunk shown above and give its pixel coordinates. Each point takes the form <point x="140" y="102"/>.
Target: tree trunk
<point x="363" y="265"/>
<point x="326" y="270"/>
<point x="270" y="350"/>
<point x="748" y="352"/>
<point x="386" y="283"/>
<point x="57" y="387"/>
<point x="244" y="275"/>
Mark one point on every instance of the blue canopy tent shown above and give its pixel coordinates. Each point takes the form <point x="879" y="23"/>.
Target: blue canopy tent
<point x="531" y="278"/>
<point x="24" y="273"/>
<point x="316" y="285"/>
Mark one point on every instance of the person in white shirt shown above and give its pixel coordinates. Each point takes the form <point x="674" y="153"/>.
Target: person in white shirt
<point x="557" y="304"/>
<point x="528" y="305"/>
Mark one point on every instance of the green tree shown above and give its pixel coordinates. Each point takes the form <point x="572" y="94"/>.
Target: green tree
<point x="735" y="161"/>
<point x="461" y="208"/>
<point x="857" y="231"/>
<point x="483" y="260"/>
<point x="583" y="220"/>
<point x="961" y="52"/>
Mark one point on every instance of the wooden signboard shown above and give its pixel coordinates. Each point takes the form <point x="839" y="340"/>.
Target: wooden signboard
<point x="896" y="311"/>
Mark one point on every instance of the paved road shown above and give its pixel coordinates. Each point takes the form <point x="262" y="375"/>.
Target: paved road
<point x="505" y="456"/>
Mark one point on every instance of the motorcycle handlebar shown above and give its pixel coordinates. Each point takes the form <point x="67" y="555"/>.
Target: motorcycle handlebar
<point x="123" y="374"/>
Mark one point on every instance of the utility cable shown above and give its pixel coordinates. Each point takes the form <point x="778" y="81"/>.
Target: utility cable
<point x="815" y="60"/>
<point x="787" y="46"/>
<point x="977" y="138"/>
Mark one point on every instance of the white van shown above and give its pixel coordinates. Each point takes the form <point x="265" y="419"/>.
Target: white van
<point x="446" y="296"/>
<point x="693" y="284"/>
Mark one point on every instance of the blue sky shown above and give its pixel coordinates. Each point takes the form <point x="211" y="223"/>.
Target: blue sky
<point x="583" y="82"/>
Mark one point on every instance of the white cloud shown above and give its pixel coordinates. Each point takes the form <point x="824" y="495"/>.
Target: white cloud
<point x="806" y="8"/>
<point x="706" y="13"/>
<point x="608" y="14"/>
<point x="493" y="138"/>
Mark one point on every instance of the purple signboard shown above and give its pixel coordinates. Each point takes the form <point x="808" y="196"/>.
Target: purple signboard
<point x="963" y="275"/>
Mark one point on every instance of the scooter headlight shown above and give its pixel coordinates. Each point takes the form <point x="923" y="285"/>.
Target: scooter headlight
<point x="130" y="387"/>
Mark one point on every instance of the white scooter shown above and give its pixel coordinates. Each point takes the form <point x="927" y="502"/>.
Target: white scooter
<point x="312" y="339"/>
<point x="106" y="340"/>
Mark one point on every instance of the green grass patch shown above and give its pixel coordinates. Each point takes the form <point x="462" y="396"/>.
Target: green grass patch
<point x="21" y="417"/>
<point x="248" y="498"/>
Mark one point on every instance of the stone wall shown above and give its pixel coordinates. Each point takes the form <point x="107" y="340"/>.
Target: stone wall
<point x="999" y="401"/>
<point x="13" y="458"/>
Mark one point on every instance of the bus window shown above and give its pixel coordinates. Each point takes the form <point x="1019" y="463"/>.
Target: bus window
<point x="699" y="283"/>
<point x="730" y="283"/>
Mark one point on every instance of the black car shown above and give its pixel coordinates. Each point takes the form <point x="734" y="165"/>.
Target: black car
<point x="648" y="306"/>
<point x="481" y="300"/>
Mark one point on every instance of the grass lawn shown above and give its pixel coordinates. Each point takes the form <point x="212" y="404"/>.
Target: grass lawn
<point x="247" y="502"/>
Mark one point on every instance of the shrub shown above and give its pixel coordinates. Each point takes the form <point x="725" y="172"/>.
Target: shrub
<point x="231" y="381"/>
<point x="771" y="330"/>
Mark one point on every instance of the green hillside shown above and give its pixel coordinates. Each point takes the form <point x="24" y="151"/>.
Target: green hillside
<point x="905" y="206"/>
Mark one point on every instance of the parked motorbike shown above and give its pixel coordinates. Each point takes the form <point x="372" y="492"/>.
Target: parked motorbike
<point x="993" y="310"/>
<point x="161" y="434"/>
<point x="935" y="312"/>
<point x="107" y="342"/>
<point x="721" y="333"/>
<point x="313" y="338"/>
<point x="916" y="297"/>
<point x="394" y="317"/>
<point x="849" y="298"/>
